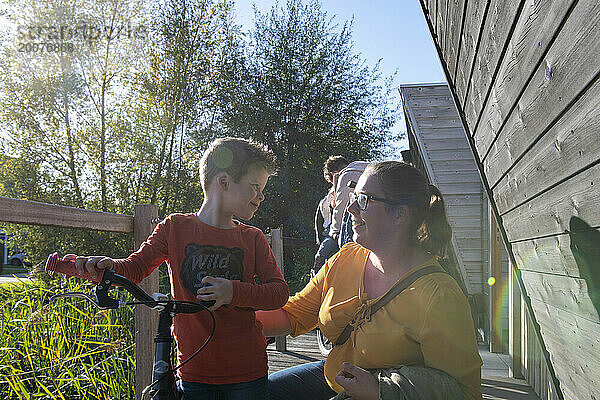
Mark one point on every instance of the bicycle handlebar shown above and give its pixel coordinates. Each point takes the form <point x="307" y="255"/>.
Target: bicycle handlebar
<point x="109" y="278"/>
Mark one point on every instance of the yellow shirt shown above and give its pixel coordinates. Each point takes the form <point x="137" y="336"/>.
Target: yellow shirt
<point x="428" y="324"/>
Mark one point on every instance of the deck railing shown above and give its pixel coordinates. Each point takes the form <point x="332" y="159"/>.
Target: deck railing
<point x="526" y="352"/>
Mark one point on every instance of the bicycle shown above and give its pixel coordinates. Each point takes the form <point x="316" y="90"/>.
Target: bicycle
<point x="163" y="385"/>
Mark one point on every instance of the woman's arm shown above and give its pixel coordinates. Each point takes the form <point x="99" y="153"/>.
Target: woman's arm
<point x="275" y="322"/>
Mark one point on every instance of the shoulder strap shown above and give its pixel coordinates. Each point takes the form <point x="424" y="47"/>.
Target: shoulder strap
<point x="396" y="290"/>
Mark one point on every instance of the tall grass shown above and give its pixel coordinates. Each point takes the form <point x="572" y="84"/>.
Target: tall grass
<point x="64" y="350"/>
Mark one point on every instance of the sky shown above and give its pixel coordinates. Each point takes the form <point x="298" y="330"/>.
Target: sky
<point x="393" y="31"/>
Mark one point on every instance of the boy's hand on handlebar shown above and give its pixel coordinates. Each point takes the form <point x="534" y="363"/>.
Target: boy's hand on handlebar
<point x="218" y="289"/>
<point x="93" y="265"/>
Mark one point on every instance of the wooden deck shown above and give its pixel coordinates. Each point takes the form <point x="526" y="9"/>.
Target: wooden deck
<point x="496" y="384"/>
<point x="300" y="350"/>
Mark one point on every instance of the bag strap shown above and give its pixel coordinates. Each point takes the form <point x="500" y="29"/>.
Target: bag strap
<point x="396" y="290"/>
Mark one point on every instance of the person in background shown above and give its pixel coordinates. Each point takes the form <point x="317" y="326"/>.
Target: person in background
<point x="346" y="181"/>
<point x="323" y="215"/>
<point x="420" y="339"/>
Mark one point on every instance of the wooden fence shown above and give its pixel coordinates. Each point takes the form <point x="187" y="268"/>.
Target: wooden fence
<point x="141" y="224"/>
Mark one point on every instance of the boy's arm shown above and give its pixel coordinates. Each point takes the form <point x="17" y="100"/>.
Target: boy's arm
<point x="271" y="292"/>
<point x="150" y="255"/>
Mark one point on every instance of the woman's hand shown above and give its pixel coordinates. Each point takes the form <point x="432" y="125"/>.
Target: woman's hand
<point x="357" y="382"/>
<point x="218" y="289"/>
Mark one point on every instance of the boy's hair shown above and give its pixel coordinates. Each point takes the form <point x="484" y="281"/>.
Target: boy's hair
<point x="234" y="156"/>
<point x="334" y="164"/>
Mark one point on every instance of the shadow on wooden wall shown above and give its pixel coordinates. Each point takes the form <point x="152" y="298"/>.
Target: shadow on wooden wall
<point x="585" y="245"/>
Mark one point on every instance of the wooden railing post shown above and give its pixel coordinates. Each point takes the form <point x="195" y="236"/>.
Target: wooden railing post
<point x="514" y="318"/>
<point x="146" y="320"/>
<point x="277" y="246"/>
<point x="496" y="345"/>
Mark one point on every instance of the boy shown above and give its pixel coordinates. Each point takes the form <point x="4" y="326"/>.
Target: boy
<point x="211" y="247"/>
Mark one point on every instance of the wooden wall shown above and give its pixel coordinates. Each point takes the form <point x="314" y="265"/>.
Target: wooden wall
<point x="525" y="75"/>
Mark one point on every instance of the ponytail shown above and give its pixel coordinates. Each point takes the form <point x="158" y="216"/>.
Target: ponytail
<point x="435" y="233"/>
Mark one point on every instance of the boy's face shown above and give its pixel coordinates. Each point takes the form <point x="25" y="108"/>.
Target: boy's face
<point x="245" y="196"/>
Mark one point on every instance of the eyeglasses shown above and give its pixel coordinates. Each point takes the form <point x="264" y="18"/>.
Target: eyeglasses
<point x="362" y="200"/>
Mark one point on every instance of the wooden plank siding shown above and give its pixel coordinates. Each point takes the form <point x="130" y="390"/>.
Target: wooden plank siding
<point x="569" y="147"/>
<point x="448" y="163"/>
<point x="551" y="212"/>
<point x="525" y="77"/>
<point x="499" y="24"/>
<point x="455" y="13"/>
<point x="551" y="254"/>
<point x="517" y="67"/>
<point x="471" y="38"/>
<point x="554" y="89"/>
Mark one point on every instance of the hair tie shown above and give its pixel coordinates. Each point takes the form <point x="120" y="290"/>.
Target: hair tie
<point x="433" y="190"/>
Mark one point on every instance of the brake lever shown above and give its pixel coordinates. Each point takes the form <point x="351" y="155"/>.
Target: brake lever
<point x="86" y="296"/>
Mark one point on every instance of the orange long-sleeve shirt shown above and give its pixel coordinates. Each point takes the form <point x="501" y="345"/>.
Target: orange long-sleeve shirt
<point x="193" y="250"/>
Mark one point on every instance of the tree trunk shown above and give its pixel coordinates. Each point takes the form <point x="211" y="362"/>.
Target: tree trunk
<point x="71" y="160"/>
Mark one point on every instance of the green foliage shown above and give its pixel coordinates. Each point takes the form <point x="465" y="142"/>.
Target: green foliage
<point x="298" y="265"/>
<point x="64" y="241"/>
<point x="64" y="350"/>
<point x="305" y="93"/>
<point x="23" y="180"/>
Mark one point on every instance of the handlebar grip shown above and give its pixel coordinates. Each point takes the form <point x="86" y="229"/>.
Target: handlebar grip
<point x="56" y="264"/>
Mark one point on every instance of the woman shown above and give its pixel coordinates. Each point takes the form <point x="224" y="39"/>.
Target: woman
<point x="400" y="227"/>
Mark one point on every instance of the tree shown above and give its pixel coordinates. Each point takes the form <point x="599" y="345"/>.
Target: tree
<point x="116" y="122"/>
<point x="305" y="93"/>
<point x="48" y="97"/>
<point x="39" y="94"/>
<point x="192" y="38"/>
<point x="104" y="71"/>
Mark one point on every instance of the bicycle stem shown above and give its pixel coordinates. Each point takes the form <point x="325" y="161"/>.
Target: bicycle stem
<point x="164" y="387"/>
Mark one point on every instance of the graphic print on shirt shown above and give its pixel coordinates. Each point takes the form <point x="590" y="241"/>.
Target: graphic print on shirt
<point x="207" y="260"/>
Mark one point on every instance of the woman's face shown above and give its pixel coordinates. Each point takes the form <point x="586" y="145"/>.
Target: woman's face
<point x="374" y="225"/>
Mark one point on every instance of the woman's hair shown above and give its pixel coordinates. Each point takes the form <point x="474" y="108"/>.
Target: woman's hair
<point x="334" y="164"/>
<point x="407" y="185"/>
